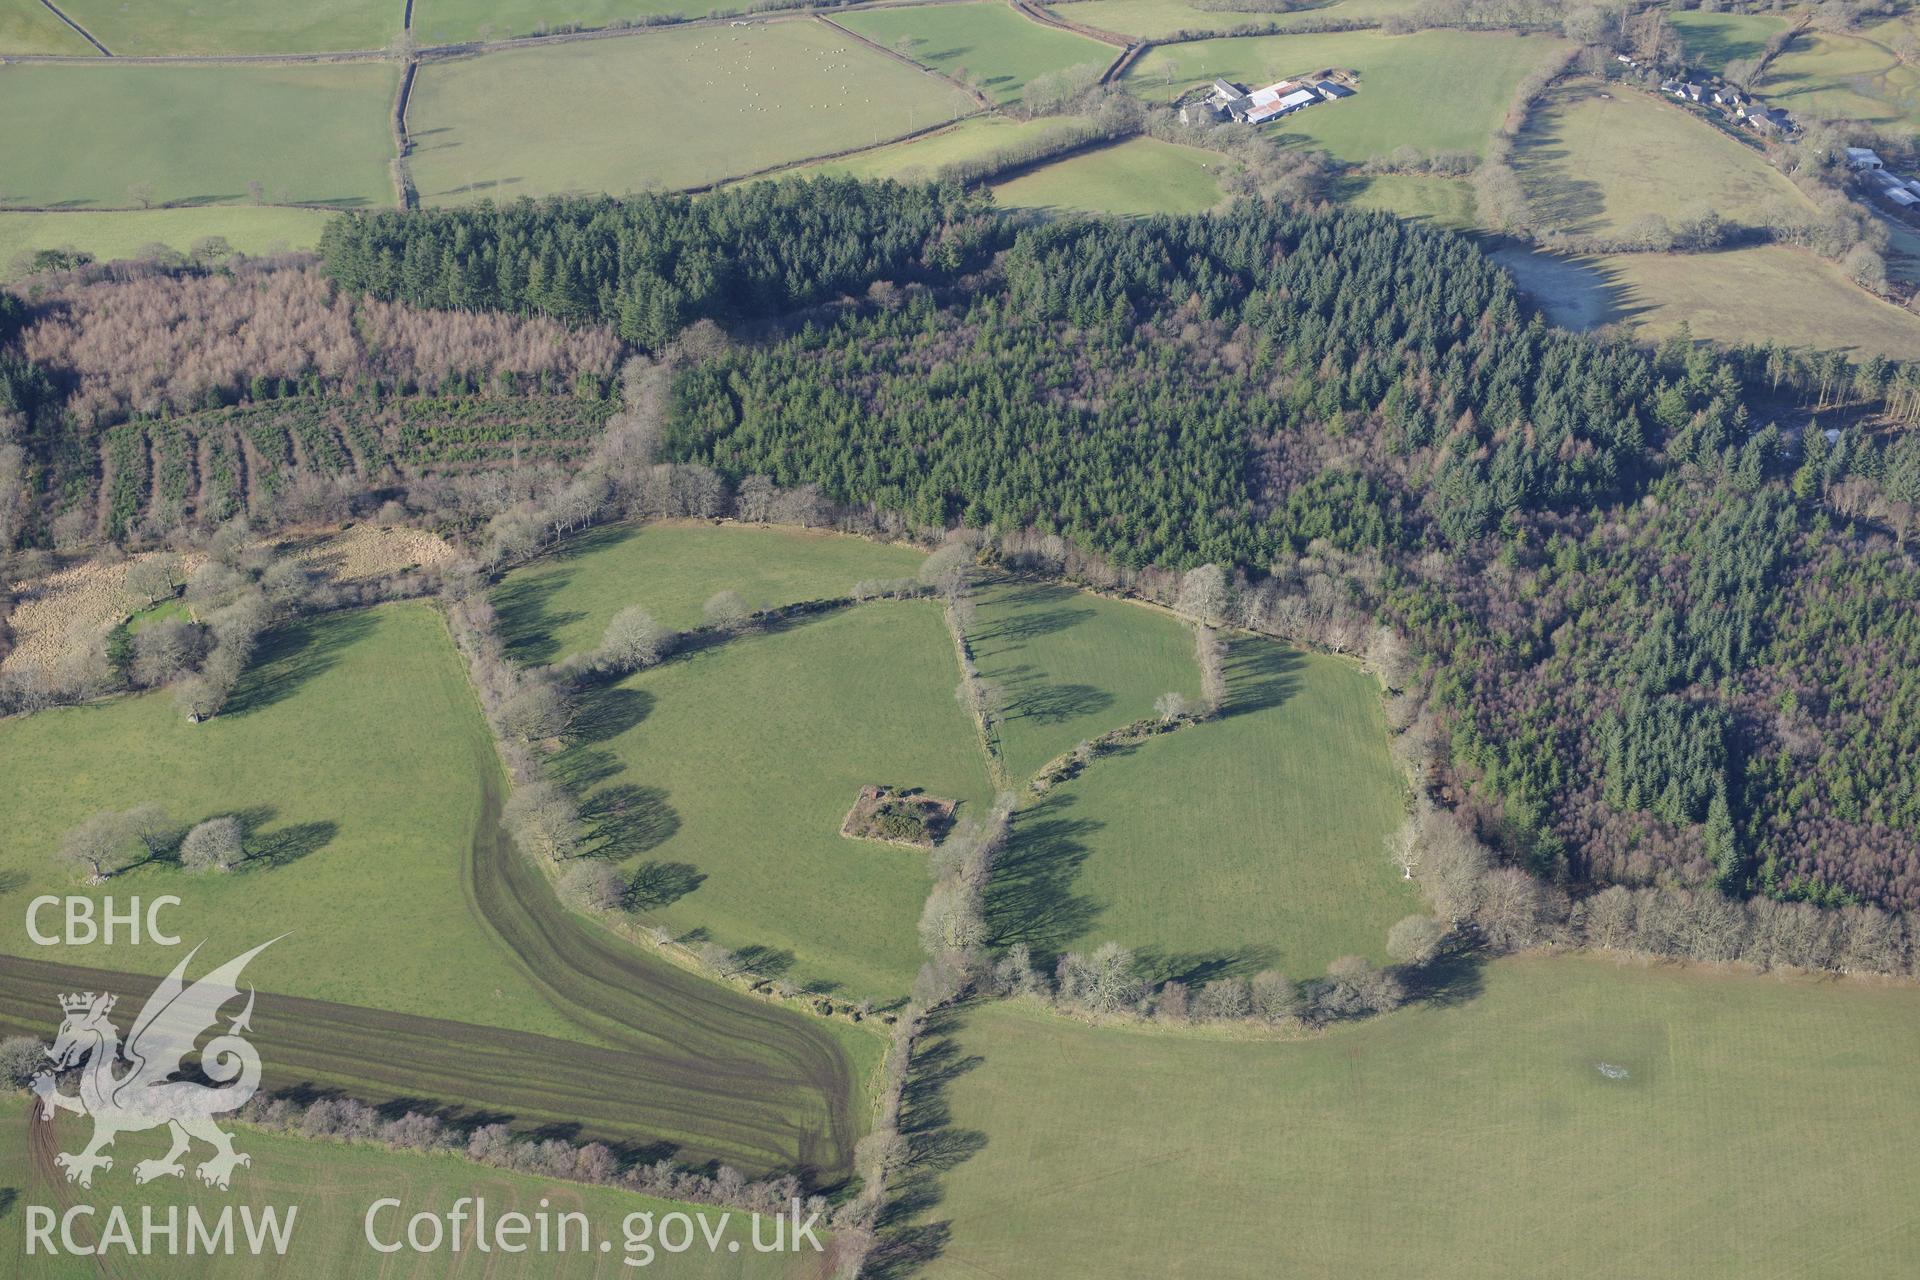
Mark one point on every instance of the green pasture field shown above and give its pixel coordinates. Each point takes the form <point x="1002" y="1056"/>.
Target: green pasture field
<point x="351" y="742"/>
<point x="1136" y="177"/>
<point x="1808" y="302"/>
<point x="733" y="768"/>
<point x="921" y="158"/>
<point x="1249" y="842"/>
<point x="1074" y="665"/>
<point x="561" y="604"/>
<point x="672" y="109"/>
<point x="1712" y="40"/>
<point x="987" y="44"/>
<point x="1594" y="163"/>
<point x="1445" y="202"/>
<point x="1158" y="19"/>
<point x="146" y="27"/>
<point x="126" y="233"/>
<point x="27" y="26"/>
<point x="456" y="21"/>
<point x="1831" y="76"/>
<point x="310" y="134"/>
<point x="1434" y="90"/>
<point x="331" y="1187"/>
<point x="1762" y="1128"/>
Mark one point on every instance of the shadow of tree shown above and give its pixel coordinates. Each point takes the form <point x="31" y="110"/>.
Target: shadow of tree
<point x="579" y="768"/>
<point x="1260" y="675"/>
<point x="1031" y="897"/>
<point x="1197" y="968"/>
<point x="661" y="884"/>
<point x="527" y="619"/>
<point x="293" y="654"/>
<point x="764" y="962"/>
<point x="626" y="819"/>
<point x="935" y="1146"/>
<point x="609" y="711"/>
<point x="288" y="844"/>
<point x="1054" y="704"/>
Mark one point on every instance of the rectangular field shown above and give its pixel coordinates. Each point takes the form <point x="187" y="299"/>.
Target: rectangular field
<point x="1247" y="842"/>
<point x="117" y="234"/>
<point x="1137" y="177"/>
<point x="1433" y="90"/>
<point x="147" y="27"/>
<point x="670" y="109"/>
<point x="134" y="134"/>
<point x="986" y="44"/>
<point x="1743" y="1126"/>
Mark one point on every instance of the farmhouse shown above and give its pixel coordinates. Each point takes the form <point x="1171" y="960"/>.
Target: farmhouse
<point x="1863" y="158"/>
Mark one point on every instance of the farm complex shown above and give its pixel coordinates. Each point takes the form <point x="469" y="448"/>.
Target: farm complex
<point x="950" y="638"/>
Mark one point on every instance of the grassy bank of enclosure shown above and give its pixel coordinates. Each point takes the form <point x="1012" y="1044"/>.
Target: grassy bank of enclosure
<point x="1434" y="90"/>
<point x="1744" y="1126"/>
<point x="1712" y="40"/>
<point x="1136" y="177"/>
<point x="669" y="109"/>
<point x="128" y="135"/>
<point x="986" y="44"/>
<point x="332" y="1186"/>
<point x="1248" y="842"/>
<point x="128" y="233"/>
<point x="561" y="604"/>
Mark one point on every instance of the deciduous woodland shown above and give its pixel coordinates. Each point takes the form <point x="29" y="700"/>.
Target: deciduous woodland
<point x="1660" y="623"/>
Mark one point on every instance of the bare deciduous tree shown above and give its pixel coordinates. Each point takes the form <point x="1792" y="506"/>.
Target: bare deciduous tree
<point x="98" y="847"/>
<point x="218" y="844"/>
<point x="632" y="640"/>
<point x="726" y="611"/>
<point x="1416" y="940"/>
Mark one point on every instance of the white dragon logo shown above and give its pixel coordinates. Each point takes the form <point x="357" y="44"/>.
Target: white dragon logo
<point x="145" y="1096"/>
